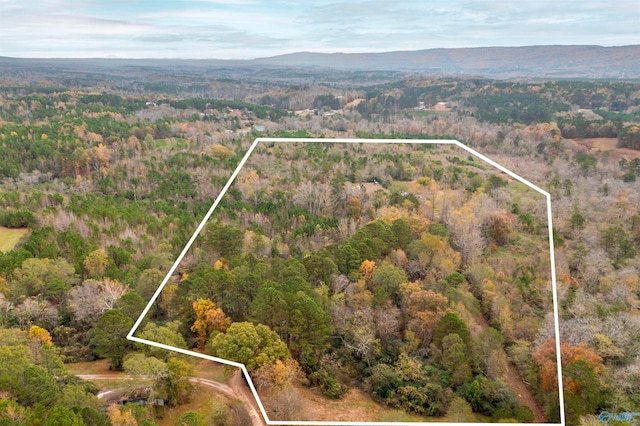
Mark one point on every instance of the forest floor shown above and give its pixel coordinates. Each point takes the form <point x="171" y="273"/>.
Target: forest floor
<point x="9" y="237"/>
<point x="608" y="144"/>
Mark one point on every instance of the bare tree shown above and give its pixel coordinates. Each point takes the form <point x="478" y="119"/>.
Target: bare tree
<point x="92" y="298"/>
<point x="387" y="322"/>
<point x="313" y="197"/>
<point x="466" y="233"/>
<point x="36" y="311"/>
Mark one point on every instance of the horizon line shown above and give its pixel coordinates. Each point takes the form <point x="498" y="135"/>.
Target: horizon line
<point x="364" y="52"/>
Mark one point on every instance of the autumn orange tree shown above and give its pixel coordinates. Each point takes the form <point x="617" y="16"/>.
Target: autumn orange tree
<point x="209" y="318"/>
<point x="582" y="371"/>
<point x="423" y="309"/>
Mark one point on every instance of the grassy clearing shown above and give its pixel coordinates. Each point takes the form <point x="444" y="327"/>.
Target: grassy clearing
<point x="213" y="371"/>
<point x="9" y="237"/>
<point x="609" y="145"/>
<point x="114" y="383"/>
<point x="92" y="367"/>
<point x="354" y="406"/>
<point x="202" y="397"/>
<point x="421" y="114"/>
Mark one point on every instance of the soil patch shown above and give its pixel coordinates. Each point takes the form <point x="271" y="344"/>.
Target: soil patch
<point x="610" y="145"/>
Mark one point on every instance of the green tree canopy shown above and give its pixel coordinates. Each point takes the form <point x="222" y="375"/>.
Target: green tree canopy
<point x="249" y="344"/>
<point x="224" y="239"/>
<point x="389" y="278"/>
<point x="166" y="334"/>
<point x="46" y="277"/>
<point x="110" y="337"/>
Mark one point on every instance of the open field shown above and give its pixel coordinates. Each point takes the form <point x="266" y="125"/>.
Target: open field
<point x="9" y="237"/>
<point x="202" y="396"/>
<point x="608" y="144"/>
<point x="355" y="405"/>
<point x="215" y="371"/>
<point x="90" y="367"/>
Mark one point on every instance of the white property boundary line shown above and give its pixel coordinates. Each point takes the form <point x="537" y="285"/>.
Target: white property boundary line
<point x="130" y="336"/>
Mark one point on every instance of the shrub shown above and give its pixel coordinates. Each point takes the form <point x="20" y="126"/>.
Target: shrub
<point x="18" y="219"/>
<point x="331" y="388"/>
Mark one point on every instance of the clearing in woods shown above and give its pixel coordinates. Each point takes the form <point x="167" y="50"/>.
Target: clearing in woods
<point x="9" y="237"/>
<point x="610" y="145"/>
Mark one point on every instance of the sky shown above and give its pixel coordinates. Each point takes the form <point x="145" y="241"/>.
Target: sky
<point x="246" y="29"/>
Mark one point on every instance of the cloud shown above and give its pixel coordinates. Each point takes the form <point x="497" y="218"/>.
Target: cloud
<point x="241" y="28"/>
<point x="234" y="2"/>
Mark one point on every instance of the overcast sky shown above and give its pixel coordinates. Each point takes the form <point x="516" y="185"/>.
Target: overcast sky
<point x="242" y="29"/>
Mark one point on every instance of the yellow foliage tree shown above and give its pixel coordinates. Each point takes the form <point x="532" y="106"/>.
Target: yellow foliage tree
<point x="354" y="208"/>
<point x="96" y="263"/>
<point x="40" y="335"/>
<point x="221" y="264"/>
<point x="209" y="318"/>
<point x="221" y="151"/>
<point x="279" y="375"/>
<point x="121" y="418"/>
<point x="367" y="269"/>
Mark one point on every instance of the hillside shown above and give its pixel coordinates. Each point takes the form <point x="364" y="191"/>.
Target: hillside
<point x="499" y="62"/>
<point x="591" y="62"/>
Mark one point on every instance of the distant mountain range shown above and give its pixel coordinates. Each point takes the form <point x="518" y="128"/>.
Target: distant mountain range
<point x="591" y="62"/>
<point x="501" y="62"/>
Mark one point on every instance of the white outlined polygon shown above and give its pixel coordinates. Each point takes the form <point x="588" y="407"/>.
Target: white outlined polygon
<point x="131" y="337"/>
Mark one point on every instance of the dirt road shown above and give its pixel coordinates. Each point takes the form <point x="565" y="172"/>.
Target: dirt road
<point x="512" y="377"/>
<point x="236" y="389"/>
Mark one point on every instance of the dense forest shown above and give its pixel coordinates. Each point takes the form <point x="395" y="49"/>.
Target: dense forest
<point x="416" y="275"/>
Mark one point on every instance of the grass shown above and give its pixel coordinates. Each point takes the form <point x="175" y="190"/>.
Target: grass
<point x="399" y="185"/>
<point x="213" y="371"/>
<point x="421" y="113"/>
<point x="202" y="397"/>
<point x="9" y="237"/>
<point x="91" y="367"/>
<point x="355" y="405"/>
<point x="115" y="383"/>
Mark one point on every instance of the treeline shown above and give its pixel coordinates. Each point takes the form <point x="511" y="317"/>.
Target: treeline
<point x="95" y="135"/>
<point x="201" y="104"/>
<point x="629" y="137"/>
<point x="509" y="107"/>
